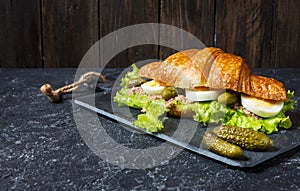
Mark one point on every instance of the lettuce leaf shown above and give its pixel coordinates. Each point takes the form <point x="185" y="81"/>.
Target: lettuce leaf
<point x="210" y="112"/>
<point x="130" y="75"/>
<point x="289" y="105"/>
<point x="136" y="101"/>
<point x="216" y="113"/>
<point x="150" y="120"/>
<point x="154" y="108"/>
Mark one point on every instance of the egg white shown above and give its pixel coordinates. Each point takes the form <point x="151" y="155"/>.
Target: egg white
<point x="153" y="87"/>
<point x="260" y="107"/>
<point x="202" y="94"/>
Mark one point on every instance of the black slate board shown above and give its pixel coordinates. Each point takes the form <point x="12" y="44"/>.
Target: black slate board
<point x="284" y="140"/>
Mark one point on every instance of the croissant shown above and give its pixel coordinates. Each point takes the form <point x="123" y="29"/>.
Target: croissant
<point x="212" y="67"/>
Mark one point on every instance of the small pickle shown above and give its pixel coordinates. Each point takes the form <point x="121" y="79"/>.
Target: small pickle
<point x="228" y="98"/>
<point x="246" y="138"/>
<point x="220" y="147"/>
<point x="135" y="82"/>
<point x="169" y="93"/>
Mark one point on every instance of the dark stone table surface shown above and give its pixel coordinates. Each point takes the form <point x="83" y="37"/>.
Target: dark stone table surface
<point x="42" y="149"/>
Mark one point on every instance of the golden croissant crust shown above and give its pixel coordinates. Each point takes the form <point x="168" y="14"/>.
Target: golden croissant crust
<point x="213" y="68"/>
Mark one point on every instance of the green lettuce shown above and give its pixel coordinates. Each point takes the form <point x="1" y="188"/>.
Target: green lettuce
<point x="208" y="112"/>
<point x="217" y="113"/>
<point x="267" y="125"/>
<point x="154" y="108"/>
<point x="289" y="105"/>
<point x="130" y="75"/>
<point x="150" y="120"/>
<point x="136" y="101"/>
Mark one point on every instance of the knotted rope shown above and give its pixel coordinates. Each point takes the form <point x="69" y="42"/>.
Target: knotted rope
<point x="55" y="95"/>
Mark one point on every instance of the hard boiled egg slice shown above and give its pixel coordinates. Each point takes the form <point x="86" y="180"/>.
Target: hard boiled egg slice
<point x="153" y="87"/>
<point x="202" y="94"/>
<point x="260" y="107"/>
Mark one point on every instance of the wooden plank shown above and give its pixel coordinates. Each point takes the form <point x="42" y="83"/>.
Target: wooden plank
<point x="286" y="36"/>
<point x="194" y="16"/>
<point x="244" y="28"/>
<point x="20" y="34"/>
<point x="70" y="28"/>
<point x="116" y="14"/>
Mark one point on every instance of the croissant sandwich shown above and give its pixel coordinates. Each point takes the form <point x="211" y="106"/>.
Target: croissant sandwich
<point x="210" y="86"/>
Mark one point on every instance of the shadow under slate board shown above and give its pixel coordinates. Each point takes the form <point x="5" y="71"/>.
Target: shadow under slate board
<point x="179" y="131"/>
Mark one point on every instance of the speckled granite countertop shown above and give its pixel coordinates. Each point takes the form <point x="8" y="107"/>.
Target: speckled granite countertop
<point x="41" y="148"/>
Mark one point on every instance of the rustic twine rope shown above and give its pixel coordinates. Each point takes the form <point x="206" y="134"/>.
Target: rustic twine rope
<point x="55" y="95"/>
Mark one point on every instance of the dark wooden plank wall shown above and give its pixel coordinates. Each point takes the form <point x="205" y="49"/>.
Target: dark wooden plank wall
<point x="195" y="17"/>
<point x="42" y="33"/>
<point x="246" y="30"/>
<point x="116" y="14"/>
<point x="20" y="35"/>
<point x="69" y="29"/>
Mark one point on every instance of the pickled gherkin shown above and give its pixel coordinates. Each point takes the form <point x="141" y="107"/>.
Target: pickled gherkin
<point x="169" y="93"/>
<point x="246" y="138"/>
<point x="228" y="98"/>
<point x="219" y="146"/>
